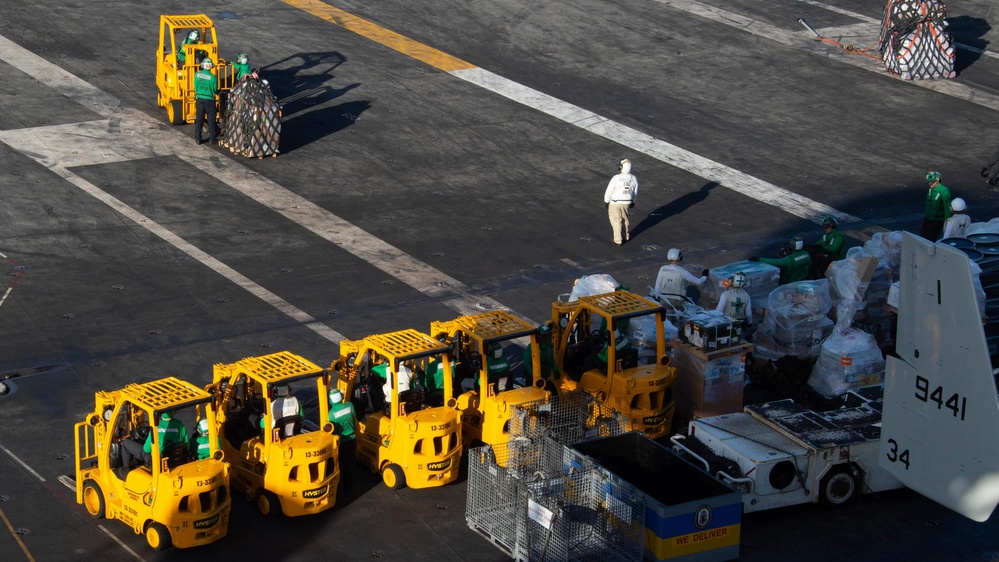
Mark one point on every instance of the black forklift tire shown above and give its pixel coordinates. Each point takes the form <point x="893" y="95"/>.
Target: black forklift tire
<point x="93" y="499"/>
<point x="158" y="537"/>
<point x="839" y="487"/>
<point x="394" y="477"/>
<point x="175" y="112"/>
<point x="268" y="503"/>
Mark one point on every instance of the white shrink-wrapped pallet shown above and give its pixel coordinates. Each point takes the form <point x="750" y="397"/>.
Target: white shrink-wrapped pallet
<point x="849" y="359"/>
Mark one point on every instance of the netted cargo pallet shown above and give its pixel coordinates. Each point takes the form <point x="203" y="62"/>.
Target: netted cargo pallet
<point x="914" y="41"/>
<point x="577" y="516"/>
<point x="567" y="419"/>
<point x="252" y="123"/>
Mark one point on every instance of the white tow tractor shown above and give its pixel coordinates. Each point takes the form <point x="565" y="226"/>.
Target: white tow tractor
<point x="941" y="409"/>
<point x="781" y="453"/>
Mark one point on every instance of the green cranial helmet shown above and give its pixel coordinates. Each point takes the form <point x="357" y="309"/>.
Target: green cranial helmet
<point x="207" y="64"/>
<point x="241" y="58"/>
<point x="829" y="221"/>
<point x="194" y="36"/>
<point x="933" y="176"/>
<point x="796" y="243"/>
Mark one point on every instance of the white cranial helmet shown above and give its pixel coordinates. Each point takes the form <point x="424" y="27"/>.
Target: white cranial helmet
<point x="625" y="166"/>
<point x="958" y="205"/>
<point x="739" y="280"/>
<point x="203" y="426"/>
<point x="336" y="396"/>
<point x="674" y="254"/>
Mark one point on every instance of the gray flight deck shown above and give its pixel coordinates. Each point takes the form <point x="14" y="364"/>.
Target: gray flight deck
<point x="406" y="194"/>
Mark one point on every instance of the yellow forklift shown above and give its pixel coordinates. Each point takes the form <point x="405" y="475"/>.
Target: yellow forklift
<point x="486" y="409"/>
<point x="404" y="433"/>
<point x="172" y="496"/>
<point x="273" y="412"/>
<point x="639" y="387"/>
<point x="177" y="63"/>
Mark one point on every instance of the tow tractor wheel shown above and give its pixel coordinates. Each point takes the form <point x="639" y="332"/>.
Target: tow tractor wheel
<point x="93" y="499"/>
<point x="394" y="477"/>
<point x="839" y="487"/>
<point x="157" y="536"/>
<point x="175" y="112"/>
<point x="268" y="504"/>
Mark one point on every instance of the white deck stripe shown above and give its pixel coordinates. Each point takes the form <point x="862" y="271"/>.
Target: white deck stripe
<point x="673" y="155"/>
<point x="120" y="543"/>
<point x="23" y="465"/>
<point x="29" y="145"/>
<point x="80" y="144"/>
<point x="804" y="41"/>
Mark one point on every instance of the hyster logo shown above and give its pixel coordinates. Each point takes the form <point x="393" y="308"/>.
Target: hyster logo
<point x="439" y="465"/>
<point x="654" y="420"/>
<point x="317" y="493"/>
<point x="206" y="523"/>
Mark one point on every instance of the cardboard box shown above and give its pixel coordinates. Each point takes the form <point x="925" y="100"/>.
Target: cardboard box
<point x="709" y="384"/>
<point x="866" y="267"/>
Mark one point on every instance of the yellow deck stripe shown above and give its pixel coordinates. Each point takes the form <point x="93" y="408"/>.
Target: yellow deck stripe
<point x="16" y="538"/>
<point x="378" y="34"/>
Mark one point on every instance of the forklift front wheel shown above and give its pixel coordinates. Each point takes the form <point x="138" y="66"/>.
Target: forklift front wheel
<point x="394" y="477"/>
<point x="157" y="536"/>
<point x="175" y="112"/>
<point x="268" y="504"/>
<point x="93" y="499"/>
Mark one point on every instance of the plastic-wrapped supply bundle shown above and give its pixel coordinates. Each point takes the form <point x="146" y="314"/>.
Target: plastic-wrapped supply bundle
<point x="796" y="321"/>
<point x="859" y="286"/>
<point x="761" y="279"/>
<point x="849" y="359"/>
<point x="887" y="247"/>
<point x="641" y="332"/>
<point x="988" y="227"/>
<point x="914" y="41"/>
<point x="588" y="285"/>
<point x="252" y="123"/>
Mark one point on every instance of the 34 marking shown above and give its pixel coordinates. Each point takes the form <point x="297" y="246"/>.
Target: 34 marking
<point x="894" y="455"/>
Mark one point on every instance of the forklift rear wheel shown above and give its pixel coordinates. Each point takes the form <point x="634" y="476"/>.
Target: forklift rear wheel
<point x="839" y="487"/>
<point x="157" y="536"/>
<point x="93" y="499"/>
<point x="394" y="477"/>
<point x="268" y="504"/>
<point x="175" y="112"/>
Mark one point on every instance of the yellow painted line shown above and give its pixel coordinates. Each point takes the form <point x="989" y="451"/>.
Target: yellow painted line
<point x="378" y="34"/>
<point x="16" y="538"/>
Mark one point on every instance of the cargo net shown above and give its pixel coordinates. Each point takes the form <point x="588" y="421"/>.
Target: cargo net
<point x="582" y="516"/>
<point x="252" y="123"/>
<point x="914" y="41"/>
<point x="567" y="419"/>
<point x="532" y="501"/>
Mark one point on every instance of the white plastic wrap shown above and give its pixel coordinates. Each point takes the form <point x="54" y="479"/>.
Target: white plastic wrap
<point x="848" y="360"/>
<point x="991" y="227"/>
<point x="796" y="321"/>
<point x="596" y="284"/>
<point x="761" y="278"/>
<point x="887" y="247"/>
